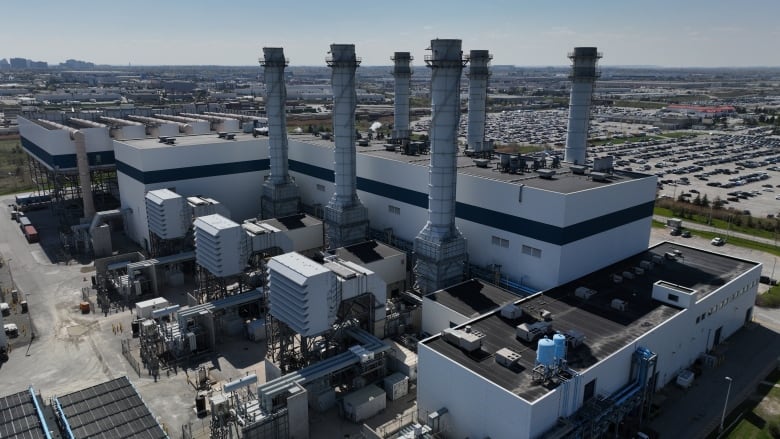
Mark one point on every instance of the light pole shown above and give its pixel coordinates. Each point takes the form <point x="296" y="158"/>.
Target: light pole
<point x="725" y="404"/>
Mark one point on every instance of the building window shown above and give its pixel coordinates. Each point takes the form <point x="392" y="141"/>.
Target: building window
<point x="501" y="242"/>
<point x="673" y="297"/>
<point x="321" y="187"/>
<point x="532" y="251"/>
<point x="395" y="210"/>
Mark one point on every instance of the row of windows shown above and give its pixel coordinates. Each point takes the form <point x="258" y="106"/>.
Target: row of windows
<point x="533" y="251"/>
<point x="501" y="242"/>
<point x="395" y="210"/>
<point x="715" y="308"/>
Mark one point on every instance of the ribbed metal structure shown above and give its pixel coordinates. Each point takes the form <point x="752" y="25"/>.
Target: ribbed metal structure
<point x="583" y="76"/>
<point x="345" y="217"/>
<point x="280" y="194"/>
<point x="402" y="71"/>
<point x="479" y="73"/>
<point x="439" y="247"/>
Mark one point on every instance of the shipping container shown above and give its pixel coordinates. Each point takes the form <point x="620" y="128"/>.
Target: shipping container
<point x="396" y="386"/>
<point x="31" y="234"/>
<point x="364" y="403"/>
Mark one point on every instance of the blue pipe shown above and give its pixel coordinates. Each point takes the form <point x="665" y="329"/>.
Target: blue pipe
<point x="64" y="419"/>
<point x="40" y="413"/>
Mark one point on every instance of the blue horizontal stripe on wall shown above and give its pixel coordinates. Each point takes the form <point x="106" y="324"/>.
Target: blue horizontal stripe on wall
<point x="491" y="218"/>
<point x="166" y="175"/>
<point x="66" y="161"/>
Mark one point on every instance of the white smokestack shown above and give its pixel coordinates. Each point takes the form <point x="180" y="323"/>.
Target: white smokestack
<point x="440" y="247"/>
<point x="402" y="72"/>
<point x="345" y="216"/>
<point x="583" y="76"/>
<point x="478" y="84"/>
<point x="280" y="195"/>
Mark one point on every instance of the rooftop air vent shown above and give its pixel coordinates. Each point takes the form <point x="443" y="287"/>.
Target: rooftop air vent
<point x="221" y="134"/>
<point x="481" y="163"/>
<point x="507" y="357"/>
<point x="598" y="176"/>
<point x="584" y="293"/>
<point x="578" y="169"/>
<point x="230" y="136"/>
<point x="162" y="139"/>
<point x="546" y="173"/>
<point x="170" y="141"/>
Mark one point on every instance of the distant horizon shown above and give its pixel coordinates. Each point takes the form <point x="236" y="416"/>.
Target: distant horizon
<point x="668" y="34"/>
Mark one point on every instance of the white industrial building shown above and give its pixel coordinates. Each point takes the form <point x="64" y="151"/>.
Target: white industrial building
<point x="626" y="334"/>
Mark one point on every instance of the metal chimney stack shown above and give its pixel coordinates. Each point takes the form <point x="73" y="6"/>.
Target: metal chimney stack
<point x="583" y="76"/>
<point x="345" y="217"/>
<point x="402" y="71"/>
<point x="280" y="194"/>
<point x="478" y="84"/>
<point x="439" y="247"/>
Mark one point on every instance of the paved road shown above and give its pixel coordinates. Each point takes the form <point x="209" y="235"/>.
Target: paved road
<point x="705" y="228"/>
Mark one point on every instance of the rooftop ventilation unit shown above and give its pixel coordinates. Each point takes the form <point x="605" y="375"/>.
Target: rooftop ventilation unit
<point x="584" y="293"/>
<point x="507" y="357"/>
<point x="511" y="311"/>
<point x="546" y="173"/>
<point x="221" y="134"/>
<point x="162" y="139"/>
<point x="230" y="136"/>
<point x="603" y="164"/>
<point x="467" y="339"/>
<point x="578" y="169"/>
<point x="599" y="176"/>
<point x="170" y="141"/>
<point x="619" y="304"/>
<point x="481" y="163"/>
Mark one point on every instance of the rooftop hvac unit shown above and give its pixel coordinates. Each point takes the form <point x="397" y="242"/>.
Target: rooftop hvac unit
<point x="481" y="163"/>
<point x="469" y="340"/>
<point x="658" y="259"/>
<point x="646" y="265"/>
<point x="578" y="169"/>
<point x="507" y="357"/>
<point x="639" y="271"/>
<point x="616" y="278"/>
<point x="221" y="134"/>
<point x="628" y="275"/>
<point x="546" y="173"/>
<point x="584" y="293"/>
<point x="619" y="304"/>
<point x="599" y="176"/>
<point x="511" y="311"/>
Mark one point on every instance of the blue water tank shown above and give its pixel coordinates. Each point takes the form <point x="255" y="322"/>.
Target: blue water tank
<point x="545" y="352"/>
<point x="560" y="346"/>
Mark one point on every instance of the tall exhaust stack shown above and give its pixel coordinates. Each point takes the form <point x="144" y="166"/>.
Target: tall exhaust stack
<point x="583" y="76"/>
<point x="440" y="248"/>
<point x="345" y="216"/>
<point x="280" y="194"/>
<point x="402" y="71"/>
<point x="479" y="60"/>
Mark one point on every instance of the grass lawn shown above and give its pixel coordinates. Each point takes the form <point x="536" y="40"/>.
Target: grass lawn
<point x="14" y="175"/>
<point x="761" y="420"/>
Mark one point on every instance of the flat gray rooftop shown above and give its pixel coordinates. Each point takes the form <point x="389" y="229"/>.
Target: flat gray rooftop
<point x="564" y="180"/>
<point x="19" y="418"/>
<point x="473" y="297"/>
<point x="292" y="222"/>
<point x="111" y="409"/>
<point x="606" y="329"/>
<point x="183" y="140"/>
<point x="367" y="252"/>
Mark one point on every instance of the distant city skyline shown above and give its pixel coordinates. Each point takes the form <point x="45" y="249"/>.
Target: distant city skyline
<point x="662" y="33"/>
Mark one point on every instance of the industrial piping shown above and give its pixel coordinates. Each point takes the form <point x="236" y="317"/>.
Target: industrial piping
<point x="345" y="216"/>
<point x="479" y="73"/>
<point x="440" y="247"/>
<point x="402" y="72"/>
<point x="82" y="164"/>
<point x="280" y="195"/>
<point x="583" y="75"/>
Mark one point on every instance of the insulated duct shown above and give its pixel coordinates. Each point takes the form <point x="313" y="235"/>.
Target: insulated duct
<point x="440" y="248"/>
<point x="583" y="75"/>
<point x="402" y="72"/>
<point x="280" y="195"/>
<point x="346" y="217"/>
<point x="479" y="73"/>
<point x="82" y="164"/>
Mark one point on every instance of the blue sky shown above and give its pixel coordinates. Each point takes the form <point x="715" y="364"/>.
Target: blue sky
<point x="519" y="32"/>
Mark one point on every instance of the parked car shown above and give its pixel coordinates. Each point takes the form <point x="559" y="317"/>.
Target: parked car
<point x="11" y="330"/>
<point x="686" y="234"/>
<point x="717" y="241"/>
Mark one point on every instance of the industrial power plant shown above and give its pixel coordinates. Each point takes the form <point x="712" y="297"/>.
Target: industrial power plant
<point x="512" y="295"/>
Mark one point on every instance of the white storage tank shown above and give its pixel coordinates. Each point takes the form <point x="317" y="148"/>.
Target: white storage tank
<point x="364" y="403"/>
<point x="396" y="386"/>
